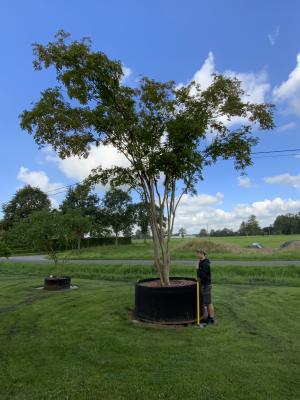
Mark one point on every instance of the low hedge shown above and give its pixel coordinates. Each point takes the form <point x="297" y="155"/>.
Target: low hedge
<point x="105" y="241"/>
<point x="85" y="242"/>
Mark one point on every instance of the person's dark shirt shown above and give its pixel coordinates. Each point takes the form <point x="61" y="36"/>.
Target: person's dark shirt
<point x="203" y="272"/>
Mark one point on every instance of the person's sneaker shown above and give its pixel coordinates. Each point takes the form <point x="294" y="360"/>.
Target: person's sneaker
<point x="210" y="321"/>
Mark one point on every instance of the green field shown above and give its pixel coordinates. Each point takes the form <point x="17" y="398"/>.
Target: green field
<point x="81" y="344"/>
<point x="237" y="249"/>
<point x="273" y="241"/>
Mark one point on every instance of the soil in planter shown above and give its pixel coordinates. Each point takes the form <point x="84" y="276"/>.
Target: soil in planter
<point x="173" y="283"/>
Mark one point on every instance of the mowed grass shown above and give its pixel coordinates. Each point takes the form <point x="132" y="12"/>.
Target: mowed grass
<point x="185" y="249"/>
<point x="81" y="344"/>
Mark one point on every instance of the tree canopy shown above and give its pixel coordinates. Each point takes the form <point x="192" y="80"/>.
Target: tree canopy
<point x="141" y="219"/>
<point x="250" y="227"/>
<point x="87" y="204"/>
<point x="76" y="225"/>
<point x="161" y="128"/>
<point x="182" y="232"/>
<point x="43" y="231"/>
<point x="287" y="224"/>
<point x="117" y="211"/>
<point x="25" y="201"/>
<point x="79" y="198"/>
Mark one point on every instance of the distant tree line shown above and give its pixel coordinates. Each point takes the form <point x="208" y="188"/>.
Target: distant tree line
<point x="287" y="224"/>
<point x="283" y="224"/>
<point x="28" y="219"/>
<point x="29" y="222"/>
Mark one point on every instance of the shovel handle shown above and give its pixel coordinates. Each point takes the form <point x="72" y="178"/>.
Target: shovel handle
<point x="198" y="303"/>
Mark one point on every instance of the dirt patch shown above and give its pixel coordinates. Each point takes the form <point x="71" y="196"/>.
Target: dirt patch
<point x="210" y="247"/>
<point x="292" y="245"/>
<point x="173" y="283"/>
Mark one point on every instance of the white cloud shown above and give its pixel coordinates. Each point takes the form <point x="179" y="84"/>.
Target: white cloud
<point x="193" y="216"/>
<point x="79" y="168"/>
<point x="37" y="179"/>
<point x="255" y="85"/>
<point x="244" y="182"/>
<point x="201" y="200"/>
<point x="286" y="127"/>
<point x="284" y="179"/>
<point x="203" y="76"/>
<point x="41" y="180"/>
<point x="289" y="91"/>
<point x="274" y="36"/>
<point x="127" y="72"/>
<point x="268" y="208"/>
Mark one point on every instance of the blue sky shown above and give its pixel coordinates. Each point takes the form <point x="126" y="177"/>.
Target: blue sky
<point x="257" y="41"/>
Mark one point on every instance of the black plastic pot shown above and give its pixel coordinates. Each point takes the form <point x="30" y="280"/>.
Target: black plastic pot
<point x="166" y="304"/>
<point x="57" y="282"/>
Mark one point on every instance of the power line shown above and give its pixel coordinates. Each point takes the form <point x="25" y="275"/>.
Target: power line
<point x="277" y="154"/>
<point x="62" y="191"/>
<point x="275" y="151"/>
<point x="62" y="187"/>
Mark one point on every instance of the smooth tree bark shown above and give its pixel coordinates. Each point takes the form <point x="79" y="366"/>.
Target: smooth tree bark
<point x="161" y="128"/>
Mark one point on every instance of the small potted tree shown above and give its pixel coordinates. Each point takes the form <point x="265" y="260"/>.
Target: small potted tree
<point x="47" y="232"/>
<point x="162" y="130"/>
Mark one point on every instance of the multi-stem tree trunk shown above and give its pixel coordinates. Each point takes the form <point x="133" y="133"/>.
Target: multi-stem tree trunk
<point x="160" y="242"/>
<point x="53" y="254"/>
<point x="161" y="254"/>
<point x="162" y="206"/>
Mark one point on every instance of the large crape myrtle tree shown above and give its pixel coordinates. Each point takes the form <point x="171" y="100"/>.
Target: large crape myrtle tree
<point x="162" y="129"/>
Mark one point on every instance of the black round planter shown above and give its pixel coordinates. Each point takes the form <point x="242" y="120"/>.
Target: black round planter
<point x="57" y="282"/>
<point x="166" y="304"/>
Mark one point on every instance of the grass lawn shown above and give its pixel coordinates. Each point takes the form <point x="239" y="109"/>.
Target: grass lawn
<point x="267" y="241"/>
<point x="181" y="250"/>
<point x="80" y="344"/>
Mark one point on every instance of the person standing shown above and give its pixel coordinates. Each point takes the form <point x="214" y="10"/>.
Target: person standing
<point x="204" y="277"/>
